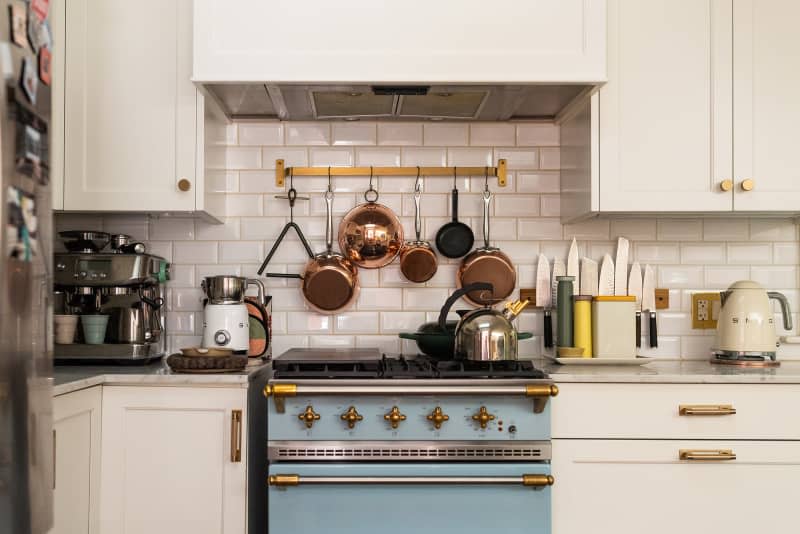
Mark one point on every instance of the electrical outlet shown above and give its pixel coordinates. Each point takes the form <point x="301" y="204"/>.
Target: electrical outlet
<point x="705" y="309"/>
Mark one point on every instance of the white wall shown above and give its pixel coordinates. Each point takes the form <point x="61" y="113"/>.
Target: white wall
<point x="688" y="254"/>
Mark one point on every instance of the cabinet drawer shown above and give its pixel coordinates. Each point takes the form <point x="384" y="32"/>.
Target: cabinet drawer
<point x="653" y="411"/>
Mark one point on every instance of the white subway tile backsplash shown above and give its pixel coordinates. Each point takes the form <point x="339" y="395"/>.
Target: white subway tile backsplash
<point x="689" y="253"/>
<point x="354" y="133"/>
<point x="492" y="134"/>
<point x="446" y="134"/>
<point x="267" y="133"/>
<point x="399" y="134"/>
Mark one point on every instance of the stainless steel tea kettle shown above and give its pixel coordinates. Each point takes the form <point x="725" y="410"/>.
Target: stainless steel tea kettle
<point x="484" y="333"/>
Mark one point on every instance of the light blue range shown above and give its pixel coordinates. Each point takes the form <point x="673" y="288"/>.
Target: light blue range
<point x="409" y="456"/>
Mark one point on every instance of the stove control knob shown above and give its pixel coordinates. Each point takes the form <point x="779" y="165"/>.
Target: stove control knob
<point x="351" y="416"/>
<point x="309" y="416"/>
<point x="222" y="337"/>
<point x="437" y="417"/>
<point x="483" y="417"/>
<point x="394" y="417"/>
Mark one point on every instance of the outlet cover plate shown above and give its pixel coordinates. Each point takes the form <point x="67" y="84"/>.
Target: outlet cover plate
<point x="699" y="300"/>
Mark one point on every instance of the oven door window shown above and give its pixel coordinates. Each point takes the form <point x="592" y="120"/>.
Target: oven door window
<point x="333" y="498"/>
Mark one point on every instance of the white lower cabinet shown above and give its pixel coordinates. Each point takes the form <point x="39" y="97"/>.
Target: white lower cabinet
<point x="636" y="486"/>
<point x="76" y="443"/>
<point x="174" y="460"/>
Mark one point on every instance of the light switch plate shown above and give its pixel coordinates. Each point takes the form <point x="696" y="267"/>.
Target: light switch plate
<point x="705" y="309"/>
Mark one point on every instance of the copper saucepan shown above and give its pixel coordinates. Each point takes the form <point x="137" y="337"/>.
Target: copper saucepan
<point x="370" y="235"/>
<point x="417" y="259"/>
<point x="487" y="264"/>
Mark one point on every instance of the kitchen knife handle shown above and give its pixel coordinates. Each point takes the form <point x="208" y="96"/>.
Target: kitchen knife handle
<point x="638" y="329"/>
<point x="548" y="329"/>
<point x="653" y="330"/>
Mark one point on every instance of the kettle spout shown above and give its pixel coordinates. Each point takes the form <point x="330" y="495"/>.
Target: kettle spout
<point x="512" y="309"/>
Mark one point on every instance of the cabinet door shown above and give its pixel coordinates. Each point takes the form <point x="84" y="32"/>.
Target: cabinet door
<point x="630" y="487"/>
<point x="76" y="439"/>
<point x="130" y="107"/>
<point x="766" y="110"/>
<point x="665" y="119"/>
<point x="167" y="466"/>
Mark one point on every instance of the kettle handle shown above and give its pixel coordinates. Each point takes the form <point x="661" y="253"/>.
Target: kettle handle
<point x="261" y="290"/>
<point x="457" y="294"/>
<point x="785" y="311"/>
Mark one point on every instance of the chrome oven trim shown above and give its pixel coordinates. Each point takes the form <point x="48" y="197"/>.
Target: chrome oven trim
<point x="409" y="451"/>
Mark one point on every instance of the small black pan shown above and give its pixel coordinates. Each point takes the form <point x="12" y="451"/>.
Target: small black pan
<point x="455" y="238"/>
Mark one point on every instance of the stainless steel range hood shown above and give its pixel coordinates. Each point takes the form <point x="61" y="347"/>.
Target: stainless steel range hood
<point x="490" y="102"/>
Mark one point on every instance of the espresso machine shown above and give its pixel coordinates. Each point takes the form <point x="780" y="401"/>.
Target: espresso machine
<point x="125" y="283"/>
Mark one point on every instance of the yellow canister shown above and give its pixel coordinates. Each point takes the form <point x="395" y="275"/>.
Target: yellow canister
<point x="582" y="324"/>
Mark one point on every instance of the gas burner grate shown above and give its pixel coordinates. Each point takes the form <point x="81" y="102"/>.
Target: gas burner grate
<point x="402" y="367"/>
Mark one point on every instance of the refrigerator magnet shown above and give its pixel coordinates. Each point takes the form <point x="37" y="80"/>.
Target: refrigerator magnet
<point x="30" y="79"/>
<point x="18" y="24"/>
<point x="34" y="31"/>
<point x="45" y="64"/>
<point x="40" y="8"/>
<point x="21" y="225"/>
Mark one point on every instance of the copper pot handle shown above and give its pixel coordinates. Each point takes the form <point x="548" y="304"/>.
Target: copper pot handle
<point x="417" y="220"/>
<point x="329" y="221"/>
<point x="487" y="198"/>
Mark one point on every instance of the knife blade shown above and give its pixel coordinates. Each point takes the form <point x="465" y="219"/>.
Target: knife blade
<point x="572" y="266"/>
<point x="543" y="297"/>
<point x="588" y="277"/>
<point x="558" y="270"/>
<point x="606" y="284"/>
<point x="635" y="289"/>
<point x="649" y="302"/>
<point x="621" y="267"/>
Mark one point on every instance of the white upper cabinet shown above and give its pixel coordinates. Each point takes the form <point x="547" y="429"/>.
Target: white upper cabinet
<point x="129" y="121"/>
<point x="504" y="41"/>
<point x="766" y="107"/>
<point x="665" y="123"/>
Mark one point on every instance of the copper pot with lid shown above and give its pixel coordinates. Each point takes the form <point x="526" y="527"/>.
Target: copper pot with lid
<point x="370" y="235"/>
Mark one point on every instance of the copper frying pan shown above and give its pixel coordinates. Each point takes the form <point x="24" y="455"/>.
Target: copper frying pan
<point x="370" y="235"/>
<point x="487" y="264"/>
<point x="417" y="259"/>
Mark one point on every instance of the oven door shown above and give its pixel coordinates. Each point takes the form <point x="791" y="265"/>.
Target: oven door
<point x="398" y="498"/>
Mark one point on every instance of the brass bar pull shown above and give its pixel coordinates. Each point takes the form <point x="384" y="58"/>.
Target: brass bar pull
<point x="706" y="409"/>
<point x="530" y="480"/>
<point x="236" y="435"/>
<point x="706" y="455"/>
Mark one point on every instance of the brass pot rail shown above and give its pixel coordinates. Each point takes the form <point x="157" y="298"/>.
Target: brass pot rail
<point x="540" y="393"/>
<point x="281" y="171"/>
<point x="530" y="480"/>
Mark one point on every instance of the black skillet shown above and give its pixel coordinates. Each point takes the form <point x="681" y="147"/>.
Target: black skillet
<point x="454" y="239"/>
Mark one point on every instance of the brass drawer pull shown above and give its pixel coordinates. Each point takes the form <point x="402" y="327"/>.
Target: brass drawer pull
<point x="706" y="409"/>
<point x="706" y="455"/>
<point x="236" y="436"/>
<point x="528" y="480"/>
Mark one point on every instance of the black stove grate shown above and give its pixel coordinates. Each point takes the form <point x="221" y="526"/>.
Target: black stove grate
<point x="400" y="367"/>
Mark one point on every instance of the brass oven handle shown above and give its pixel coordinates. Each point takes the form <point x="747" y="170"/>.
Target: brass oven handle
<point x="529" y="480"/>
<point x="540" y="393"/>
<point x="706" y="409"/>
<point x="706" y="455"/>
<point x="236" y="436"/>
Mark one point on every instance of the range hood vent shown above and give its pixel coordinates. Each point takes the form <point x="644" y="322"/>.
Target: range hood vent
<point x="394" y="102"/>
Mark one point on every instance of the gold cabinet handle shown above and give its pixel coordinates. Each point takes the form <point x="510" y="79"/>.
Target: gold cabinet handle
<point x="726" y="185"/>
<point x="706" y="455"/>
<point x="706" y="409"/>
<point x="748" y="185"/>
<point x="236" y="436"/>
<point x="184" y="185"/>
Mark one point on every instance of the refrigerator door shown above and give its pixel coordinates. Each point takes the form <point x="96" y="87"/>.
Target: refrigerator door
<point x="26" y="441"/>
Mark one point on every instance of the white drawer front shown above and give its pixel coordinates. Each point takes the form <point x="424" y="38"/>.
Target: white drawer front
<point x="652" y="411"/>
<point x="636" y="486"/>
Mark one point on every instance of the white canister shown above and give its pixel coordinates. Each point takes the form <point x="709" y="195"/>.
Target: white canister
<point x="614" y="326"/>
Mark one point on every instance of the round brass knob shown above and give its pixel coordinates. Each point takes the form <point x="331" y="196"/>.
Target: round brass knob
<point x="483" y="417"/>
<point x="437" y="417"/>
<point x="352" y="417"/>
<point x="309" y="416"/>
<point x="726" y="185"/>
<point x="748" y="185"/>
<point x="394" y="417"/>
<point x="184" y="184"/>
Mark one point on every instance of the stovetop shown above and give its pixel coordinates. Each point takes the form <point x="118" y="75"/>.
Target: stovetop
<point x="339" y="366"/>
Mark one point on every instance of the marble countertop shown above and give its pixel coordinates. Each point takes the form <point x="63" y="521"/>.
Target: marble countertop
<point x="674" y="372"/>
<point x="68" y="378"/>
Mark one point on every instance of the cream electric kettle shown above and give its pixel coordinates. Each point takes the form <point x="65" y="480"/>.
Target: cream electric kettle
<point x="745" y="326"/>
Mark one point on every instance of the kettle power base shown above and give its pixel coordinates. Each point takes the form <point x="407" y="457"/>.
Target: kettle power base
<point x="746" y="363"/>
